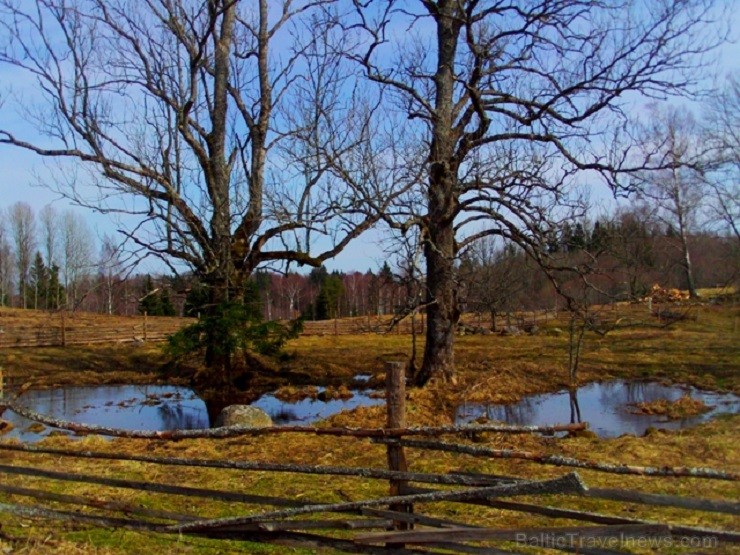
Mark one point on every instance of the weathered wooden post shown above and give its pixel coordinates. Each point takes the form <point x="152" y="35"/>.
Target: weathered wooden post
<point x="145" y="326"/>
<point x="395" y="398"/>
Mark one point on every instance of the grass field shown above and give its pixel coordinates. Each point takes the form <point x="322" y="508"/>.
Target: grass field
<point x="704" y="351"/>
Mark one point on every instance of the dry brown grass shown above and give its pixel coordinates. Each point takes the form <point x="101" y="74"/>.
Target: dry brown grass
<point x="705" y="352"/>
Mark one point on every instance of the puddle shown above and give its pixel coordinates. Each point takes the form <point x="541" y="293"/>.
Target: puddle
<point x="129" y="407"/>
<point x="308" y="411"/>
<point x="155" y="407"/>
<point x="605" y="406"/>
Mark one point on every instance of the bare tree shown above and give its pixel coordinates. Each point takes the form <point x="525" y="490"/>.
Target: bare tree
<point x="77" y="247"/>
<point x="630" y="241"/>
<point x="722" y="130"/>
<point x="6" y="263"/>
<point x="510" y="102"/>
<point x="673" y="140"/>
<point x="23" y="231"/>
<point x="194" y="111"/>
<point x="49" y="230"/>
<point x="110" y="268"/>
<point x="496" y="277"/>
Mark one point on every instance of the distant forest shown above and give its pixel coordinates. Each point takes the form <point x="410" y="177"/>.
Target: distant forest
<point x="49" y="261"/>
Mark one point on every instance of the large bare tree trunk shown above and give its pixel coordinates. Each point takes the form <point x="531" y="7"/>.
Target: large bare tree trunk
<point x="440" y="248"/>
<point x="442" y="311"/>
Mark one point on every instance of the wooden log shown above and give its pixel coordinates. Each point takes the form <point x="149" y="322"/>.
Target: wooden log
<point x="280" y="537"/>
<point x="306" y="540"/>
<point x="569" y="483"/>
<point x="694" y="504"/>
<point x="238" y="431"/>
<point x="597" y="518"/>
<point x="555" y="460"/>
<point x="38" y="512"/>
<point x="375" y="473"/>
<point x="395" y="395"/>
<point x="524" y="536"/>
<point x="78" y="500"/>
<point x="644" y="498"/>
<point x="464" y="548"/>
<point x="332" y="524"/>
<point x="416" y="518"/>
<point x="152" y="486"/>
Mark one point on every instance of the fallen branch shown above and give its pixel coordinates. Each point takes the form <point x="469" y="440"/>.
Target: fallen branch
<point x="570" y="483"/>
<point x="556" y="460"/>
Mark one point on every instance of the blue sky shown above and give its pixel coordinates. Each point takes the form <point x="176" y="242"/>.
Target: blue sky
<point x="21" y="172"/>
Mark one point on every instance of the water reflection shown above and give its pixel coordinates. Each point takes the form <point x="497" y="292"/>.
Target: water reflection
<point x="603" y="405"/>
<point x="308" y="411"/>
<point x="575" y="408"/>
<point x="155" y="407"/>
<point x="129" y="407"/>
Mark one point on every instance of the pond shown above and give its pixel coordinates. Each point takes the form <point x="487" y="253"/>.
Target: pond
<point x="129" y="407"/>
<point x="308" y="411"/>
<point x="156" y="407"/>
<point x="606" y="406"/>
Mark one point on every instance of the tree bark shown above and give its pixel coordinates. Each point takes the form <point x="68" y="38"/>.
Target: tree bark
<point x="443" y="204"/>
<point x="442" y="311"/>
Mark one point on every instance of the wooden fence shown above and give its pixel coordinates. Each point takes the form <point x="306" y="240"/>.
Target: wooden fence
<point x="397" y="518"/>
<point x="53" y="329"/>
<point x="58" y="329"/>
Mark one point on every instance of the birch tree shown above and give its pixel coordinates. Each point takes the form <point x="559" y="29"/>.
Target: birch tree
<point x="722" y="131"/>
<point x="677" y="192"/>
<point x="76" y="245"/>
<point x="6" y="262"/>
<point x="23" y="232"/>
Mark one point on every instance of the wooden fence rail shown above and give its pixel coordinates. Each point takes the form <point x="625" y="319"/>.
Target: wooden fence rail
<point x="59" y="329"/>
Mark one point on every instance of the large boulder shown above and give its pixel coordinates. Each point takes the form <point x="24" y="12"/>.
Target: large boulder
<point x="243" y="415"/>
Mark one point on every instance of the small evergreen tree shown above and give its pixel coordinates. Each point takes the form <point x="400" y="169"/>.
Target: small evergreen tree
<point x="155" y="301"/>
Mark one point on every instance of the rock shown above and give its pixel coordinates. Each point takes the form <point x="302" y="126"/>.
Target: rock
<point x="243" y="415"/>
<point x="511" y="330"/>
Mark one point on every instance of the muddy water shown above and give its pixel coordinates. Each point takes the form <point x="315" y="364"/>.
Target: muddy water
<point x="605" y="406"/>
